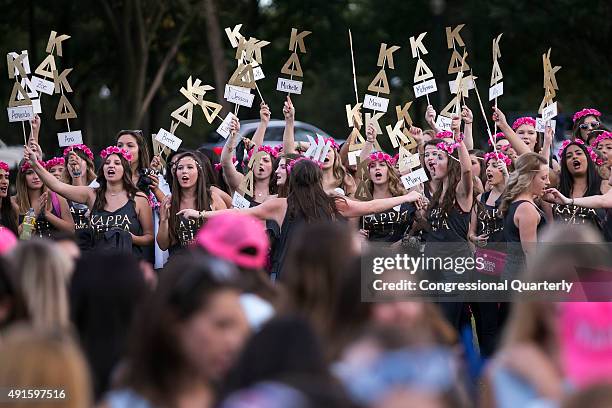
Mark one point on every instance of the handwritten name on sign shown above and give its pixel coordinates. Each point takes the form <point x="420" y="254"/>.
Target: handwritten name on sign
<point x="224" y="128"/>
<point x="168" y="139"/>
<point x="443" y="123"/>
<point x="70" y="138"/>
<point x="425" y="88"/>
<point x="42" y="85"/>
<point x="496" y="90"/>
<point x="412" y="179"/>
<point x="20" y="113"/>
<point x="240" y="98"/>
<point x="375" y="103"/>
<point x="549" y="111"/>
<point x="289" y="85"/>
<point x="541" y="124"/>
<point x="239" y="201"/>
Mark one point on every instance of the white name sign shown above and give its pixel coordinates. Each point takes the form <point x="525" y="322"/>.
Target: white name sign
<point x="168" y="139"/>
<point x="42" y="85"/>
<point x="289" y="85"/>
<point x="416" y="177"/>
<point x="240" y="98"/>
<point x="549" y="111"/>
<point x="444" y="123"/>
<point x="496" y="90"/>
<point x="425" y="88"/>
<point x="453" y="87"/>
<point x="224" y="128"/>
<point x="375" y="103"/>
<point x="541" y="125"/>
<point x="239" y="201"/>
<point x="20" y="113"/>
<point x="70" y="138"/>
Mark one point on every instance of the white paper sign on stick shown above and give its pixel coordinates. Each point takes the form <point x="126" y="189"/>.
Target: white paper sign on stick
<point x="229" y="88"/>
<point x="36" y="105"/>
<point x="42" y="85"/>
<point x="168" y="139"/>
<point x="375" y="103"/>
<point x="289" y="85"/>
<point x="453" y="87"/>
<point x="70" y="138"/>
<point x="416" y="177"/>
<point x="496" y="90"/>
<point x="20" y="113"/>
<point x="444" y="123"/>
<point x="258" y="73"/>
<point x="541" y="124"/>
<point x="224" y="128"/>
<point x="352" y="157"/>
<point x="240" y="98"/>
<point x="239" y="201"/>
<point x="425" y="88"/>
<point x="549" y="111"/>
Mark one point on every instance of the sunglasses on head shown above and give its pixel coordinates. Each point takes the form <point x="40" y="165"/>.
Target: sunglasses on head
<point x="131" y="132"/>
<point x="591" y="125"/>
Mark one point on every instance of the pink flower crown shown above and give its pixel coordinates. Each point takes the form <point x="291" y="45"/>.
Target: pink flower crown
<point x="292" y="163"/>
<point x="270" y="150"/>
<point x="585" y="112"/>
<point x="498" y="135"/>
<point x="219" y="166"/>
<point x="80" y="147"/>
<point x="525" y="120"/>
<point x="4" y="166"/>
<point x="596" y="159"/>
<point x="445" y="134"/>
<point x="497" y="156"/>
<point x="332" y="143"/>
<point x="27" y="166"/>
<point x="382" y="157"/>
<point x="116" y="150"/>
<point x="601" y="137"/>
<point x="449" y="147"/>
<point x="56" y="161"/>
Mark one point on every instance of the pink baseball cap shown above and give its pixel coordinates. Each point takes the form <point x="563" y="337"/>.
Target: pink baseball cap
<point x="8" y="240"/>
<point x="586" y="341"/>
<point x="238" y="238"/>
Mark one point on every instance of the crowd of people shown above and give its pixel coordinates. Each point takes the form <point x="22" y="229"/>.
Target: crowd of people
<point x="143" y="284"/>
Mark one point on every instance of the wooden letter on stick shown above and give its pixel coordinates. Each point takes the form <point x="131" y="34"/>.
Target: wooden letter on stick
<point x="386" y="55"/>
<point x="64" y="109"/>
<point x="292" y="66"/>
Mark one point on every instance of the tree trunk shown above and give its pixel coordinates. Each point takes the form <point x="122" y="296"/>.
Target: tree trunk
<point x="215" y="45"/>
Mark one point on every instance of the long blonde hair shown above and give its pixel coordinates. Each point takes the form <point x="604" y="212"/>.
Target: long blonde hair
<point x="396" y="188"/>
<point x="23" y="198"/>
<point x="41" y="275"/>
<point x="525" y="170"/>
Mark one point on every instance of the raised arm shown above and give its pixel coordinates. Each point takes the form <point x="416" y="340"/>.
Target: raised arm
<point x="468" y="118"/>
<point x="430" y="118"/>
<point x="465" y="189"/>
<point x="352" y="208"/>
<point x="500" y="120"/>
<point x="369" y="146"/>
<point x="548" y="137"/>
<point x="271" y="209"/>
<point x="289" y="133"/>
<point x="163" y="232"/>
<point x="264" y="120"/>
<point x="596" y="201"/>
<point x="79" y="194"/>
<point x="232" y="176"/>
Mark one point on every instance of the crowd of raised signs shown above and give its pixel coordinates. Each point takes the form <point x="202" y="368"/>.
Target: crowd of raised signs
<point x="235" y="281"/>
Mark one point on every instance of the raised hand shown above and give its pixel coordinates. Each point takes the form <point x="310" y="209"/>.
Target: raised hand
<point x="467" y="115"/>
<point x="430" y="114"/>
<point x="288" y="110"/>
<point x="456" y="125"/>
<point x="264" y="113"/>
<point x="552" y="195"/>
<point x="234" y="126"/>
<point x="189" y="214"/>
<point x="370" y="133"/>
<point x="499" y="118"/>
<point x="164" y="208"/>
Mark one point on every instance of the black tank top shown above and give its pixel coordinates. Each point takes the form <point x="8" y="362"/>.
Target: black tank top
<point x="451" y="227"/>
<point x="390" y="225"/>
<point x="186" y="231"/>
<point x="124" y="218"/>
<point x="511" y="231"/>
<point x="576" y="215"/>
<point x="287" y="230"/>
<point x="488" y="220"/>
<point x="44" y="229"/>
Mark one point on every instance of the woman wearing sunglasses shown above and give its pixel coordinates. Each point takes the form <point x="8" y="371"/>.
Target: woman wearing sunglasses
<point x="585" y="121"/>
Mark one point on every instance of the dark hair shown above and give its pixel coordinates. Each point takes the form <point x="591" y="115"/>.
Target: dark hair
<point x="576" y="128"/>
<point x="566" y="181"/>
<point x="91" y="172"/>
<point x="144" y="160"/>
<point x="11" y="295"/>
<point x="8" y="215"/>
<point x="283" y="190"/>
<point x="203" y="195"/>
<point x="306" y="198"/>
<point x="102" y="303"/>
<point x="157" y="366"/>
<point x="209" y="172"/>
<point x="453" y="175"/>
<point x="483" y="166"/>
<point x="128" y="184"/>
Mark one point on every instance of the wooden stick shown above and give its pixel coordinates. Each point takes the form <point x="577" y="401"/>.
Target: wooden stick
<point x="259" y="92"/>
<point x="484" y="116"/>
<point x="25" y="139"/>
<point x="353" y="63"/>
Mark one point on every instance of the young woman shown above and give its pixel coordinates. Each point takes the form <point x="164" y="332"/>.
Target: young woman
<point x="281" y="173"/>
<point x="56" y="167"/>
<point x="79" y="171"/>
<point x="523" y="219"/>
<point x="585" y="121"/>
<point x="190" y="191"/>
<point x="120" y="213"/>
<point x="449" y="211"/>
<point x="307" y="202"/>
<point x="487" y="234"/>
<point x="579" y="178"/>
<point x="603" y="144"/>
<point x="8" y="208"/>
<point x="336" y="179"/>
<point x="478" y="170"/>
<point x="263" y="182"/>
<point x="503" y="146"/>
<point x="51" y="210"/>
<point x="387" y="226"/>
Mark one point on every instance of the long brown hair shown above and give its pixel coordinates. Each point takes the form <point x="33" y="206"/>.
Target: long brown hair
<point x="91" y="173"/>
<point x="338" y="169"/>
<point x="283" y="190"/>
<point x="453" y="175"/>
<point x="203" y="195"/>
<point x="144" y="160"/>
<point x="525" y="170"/>
<point x="23" y="198"/>
<point x="396" y="187"/>
<point x="306" y="198"/>
<point x="128" y="184"/>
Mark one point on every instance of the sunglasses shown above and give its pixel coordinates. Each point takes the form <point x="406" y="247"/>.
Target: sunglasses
<point x="131" y="132"/>
<point x="591" y="125"/>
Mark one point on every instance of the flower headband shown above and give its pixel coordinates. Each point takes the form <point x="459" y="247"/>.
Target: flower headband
<point x="116" y="150"/>
<point x="332" y="143"/>
<point x="80" y="147"/>
<point x="56" y="161"/>
<point x="4" y="166"/>
<point x="449" y="147"/>
<point x="219" y="166"/>
<point x="585" y="112"/>
<point x="382" y="157"/>
<point x="596" y="159"/>
<point x="498" y="135"/>
<point x="270" y="150"/>
<point x="601" y="137"/>
<point x="292" y="163"/>
<point x="27" y="166"/>
<point x="525" y="120"/>
<point x="497" y="156"/>
<point x="444" y="135"/>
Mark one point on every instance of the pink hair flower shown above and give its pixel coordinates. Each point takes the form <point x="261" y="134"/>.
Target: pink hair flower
<point x="497" y="156"/>
<point x="4" y="166"/>
<point x="449" y="147"/>
<point x="80" y="147"/>
<point x="116" y="150"/>
<point x="382" y="157"/>
<point x="332" y="143"/>
<point x="496" y="137"/>
<point x="27" y="166"/>
<point x="56" y="161"/>
<point x="601" y="138"/>
<point x="525" y="120"/>
<point x="292" y="163"/>
<point x="585" y="112"/>
<point x="270" y="150"/>
<point x="445" y="134"/>
<point x="592" y="154"/>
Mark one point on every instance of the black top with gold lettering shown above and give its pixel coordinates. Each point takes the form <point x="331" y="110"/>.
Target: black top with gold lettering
<point x="576" y="215"/>
<point x="186" y="231"/>
<point x="124" y="218"/>
<point x="390" y="225"/>
<point x="488" y="220"/>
